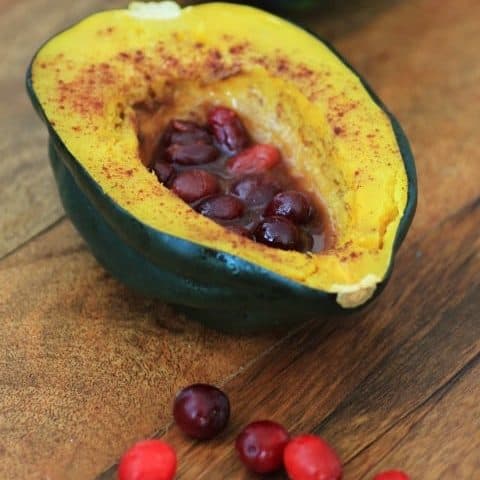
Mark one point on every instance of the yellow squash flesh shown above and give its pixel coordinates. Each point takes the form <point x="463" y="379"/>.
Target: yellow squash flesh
<point x="289" y="88"/>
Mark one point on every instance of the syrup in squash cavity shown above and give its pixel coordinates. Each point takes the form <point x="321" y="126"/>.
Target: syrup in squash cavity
<point x="216" y="167"/>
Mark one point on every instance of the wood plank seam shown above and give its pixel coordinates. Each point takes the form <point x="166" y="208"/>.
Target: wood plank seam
<point x="49" y="227"/>
<point x="434" y="398"/>
<point x="108" y="472"/>
<point x="392" y="52"/>
<point x="465" y="210"/>
<point x="461" y="219"/>
<point x="439" y="392"/>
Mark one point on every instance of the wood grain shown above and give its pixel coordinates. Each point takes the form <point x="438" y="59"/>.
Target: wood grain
<point x="87" y="367"/>
<point x="28" y="198"/>
<point x="442" y="432"/>
<point x="447" y="437"/>
<point x="355" y="381"/>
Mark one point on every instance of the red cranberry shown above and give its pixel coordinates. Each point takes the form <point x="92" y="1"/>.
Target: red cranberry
<point x="228" y="129"/>
<point x="193" y="154"/>
<point x="183" y="132"/>
<point x="239" y="230"/>
<point x="274" y="218"/>
<point x="309" y="457"/>
<point x="278" y="232"/>
<point x="148" y="460"/>
<point x="290" y="204"/>
<point x="166" y="138"/>
<point x="221" y="207"/>
<point x="256" y="159"/>
<point x="255" y="191"/>
<point x="260" y="446"/>
<point x="195" y="184"/>
<point x="391" y="475"/>
<point x="164" y="172"/>
<point x="201" y="411"/>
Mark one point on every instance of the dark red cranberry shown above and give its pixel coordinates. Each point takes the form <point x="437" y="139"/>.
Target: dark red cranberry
<point x="278" y="232"/>
<point x="309" y="457"/>
<point x="228" y="129"/>
<point x="182" y="132"/>
<point x="201" y="411"/>
<point x="221" y="207"/>
<point x="164" y="172"/>
<point x="195" y="184"/>
<point x="193" y="154"/>
<point x="391" y="475"/>
<point x="255" y="191"/>
<point x="148" y="460"/>
<point x="256" y="159"/>
<point x="292" y="205"/>
<point x="239" y="230"/>
<point x="252" y="183"/>
<point x="261" y="444"/>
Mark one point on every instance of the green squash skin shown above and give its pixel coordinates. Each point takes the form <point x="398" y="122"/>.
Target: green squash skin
<point x="216" y="288"/>
<point x="178" y="275"/>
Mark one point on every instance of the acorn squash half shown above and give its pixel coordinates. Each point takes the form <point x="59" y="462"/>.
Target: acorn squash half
<point x="291" y="89"/>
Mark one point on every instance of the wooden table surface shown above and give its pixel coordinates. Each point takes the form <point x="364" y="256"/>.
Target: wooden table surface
<point x="87" y="367"/>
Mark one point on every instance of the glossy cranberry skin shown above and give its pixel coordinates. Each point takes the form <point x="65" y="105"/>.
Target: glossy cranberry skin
<point x="391" y="475"/>
<point x="308" y="457"/>
<point x="255" y="190"/>
<point x="182" y="132"/>
<point x="165" y="172"/>
<point x="228" y="129"/>
<point x="241" y="188"/>
<point x="201" y="411"/>
<point x="221" y="207"/>
<point x="278" y="232"/>
<point x="148" y="460"/>
<point x="257" y="159"/>
<point x="192" y="154"/>
<point x="261" y="444"/>
<point x="193" y="185"/>
<point x="292" y="205"/>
